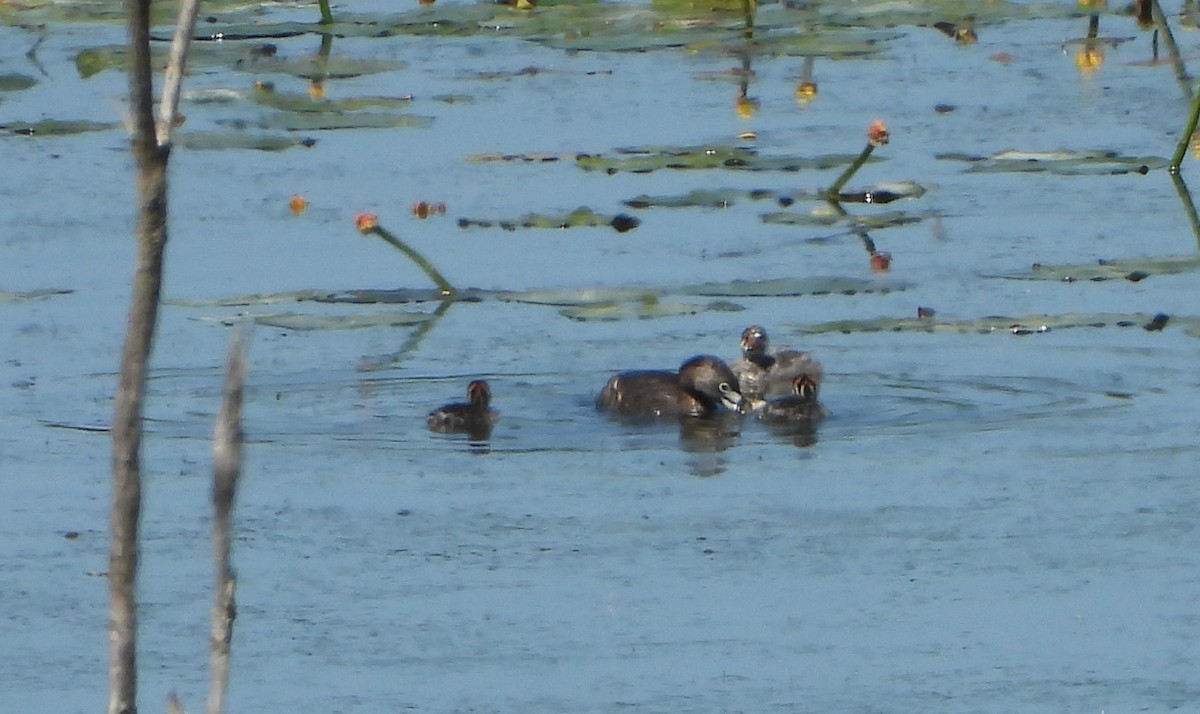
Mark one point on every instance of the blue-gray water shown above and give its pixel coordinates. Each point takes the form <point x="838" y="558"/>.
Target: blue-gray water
<point x="987" y="523"/>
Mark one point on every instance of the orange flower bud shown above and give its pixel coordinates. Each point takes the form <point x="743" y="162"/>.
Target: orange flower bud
<point x="366" y="223"/>
<point x="877" y="133"/>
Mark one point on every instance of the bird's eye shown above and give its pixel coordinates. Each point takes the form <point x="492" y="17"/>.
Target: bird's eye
<point x="725" y="388"/>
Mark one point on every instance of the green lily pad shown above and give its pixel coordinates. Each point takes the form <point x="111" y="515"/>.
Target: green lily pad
<point x="215" y="32"/>
<point x="225" y="141"/>
<point x="302" y="102"/>
<point x="329" y="122"/>
<point x="528" y="158"/>
<point x="357" y="321"/>
<point x="699" y="198"/>
<point x="16" y="82"/>
<point x="247" y="300"/>
<point x="316" y="68"/>
<point x="54" y="127"/>
<point x="581" y="217"/>
<point x="788" y="287"/>
<point x="887" y="219"/>
<point x="1133" y="270"/>
<point x="583" y="297"/>
<point x="41" y="294"/>
<point x="642" y="310"/>
<point x="1064" y="163"/>
<point x="1025" y="325"/>
<point x="401" y="295"/>
<point x="93" y="61"/>
<point x="739" y="158"/>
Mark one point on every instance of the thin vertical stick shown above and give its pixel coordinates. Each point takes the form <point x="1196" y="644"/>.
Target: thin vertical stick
<point x="227" y="467"/>
<point x="173" y="79"/>
<point x="128" y="403"/>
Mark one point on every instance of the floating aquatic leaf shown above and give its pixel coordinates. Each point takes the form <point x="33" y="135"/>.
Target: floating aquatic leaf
<point x="329" y="122"/>
<point x="294" y="321"/>
<point x="888" y="13"/>
<point x="358" y="297"/>
<point x="1025" y="325"/>
<point x="246" y="300"/>
<point x="54" y="127"/>
<point x="222" y="141"/>
<point x="1066" y="163"/>
<point x="316" y="68"/>
<point x="647" y="159"/>
<point x="581" y="217"/>
<point x="530" y="158"/>
<point x="793" y="41"/>
<point x="783" y="287"/>
<point x="454" y="98"/>
<point x="402" y="295"/>
<point x="216" y="32"/>
<point x="582" y="297"/>
<point x="1133" y="270"/>
<point x="16" y="82"/>
<point x="884" y="193"/>
<point x="642" y="310"/>
<point x="297" y="102"/>
<point x="698" y="198"/>
<point x="203" y="54"/>
<point x="888" y="219"/>
<point x="43" y="293"/>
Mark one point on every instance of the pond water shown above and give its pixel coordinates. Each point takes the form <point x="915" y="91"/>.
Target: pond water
<point x="988" y="521"/>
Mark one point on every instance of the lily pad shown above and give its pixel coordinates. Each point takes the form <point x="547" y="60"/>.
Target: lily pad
<point x="583" y="297"/>
<point x="40" y="294"/>
<point x="787" y="287"/>
<point x="316" y="68"/>
<point x="214" y="32"/>
<point x="699" y="198"/>
<point x="93" y="61"/>
<point x="581" y="217"/>
<point x="16" y="82"/>
<point x="642" y="310"/>
<point x="1065" y="163"/>
<point x="1024" y="325"/>
<point x="328" y="122"/>
<point x="1133" y="270"/>
<point x="302" y="102"/>
<point x="54" y="127"/>
<point x="887" y="219"/>
<point x="357" y="297"/>
<point x="295" y="321"/>
<point x="224" y="141"/>
<point x="401" y="295"/>
<point x="740" y="158"/>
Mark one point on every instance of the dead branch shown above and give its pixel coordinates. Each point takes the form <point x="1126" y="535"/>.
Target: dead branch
<point x="227" y="467"/>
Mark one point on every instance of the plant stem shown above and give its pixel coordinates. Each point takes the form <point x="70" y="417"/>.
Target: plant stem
<point x="1186" y="139"/>
<point x="414" y="256"/>
<point x="1189" y="206"/>
<point x="833" y="191"/>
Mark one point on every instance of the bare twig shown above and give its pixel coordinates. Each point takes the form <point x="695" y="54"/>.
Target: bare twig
<point x="188" y="10"/>
<point x="227" y="467"/>
<point x="151" y="158"/>
<point x="128" y="407"/>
